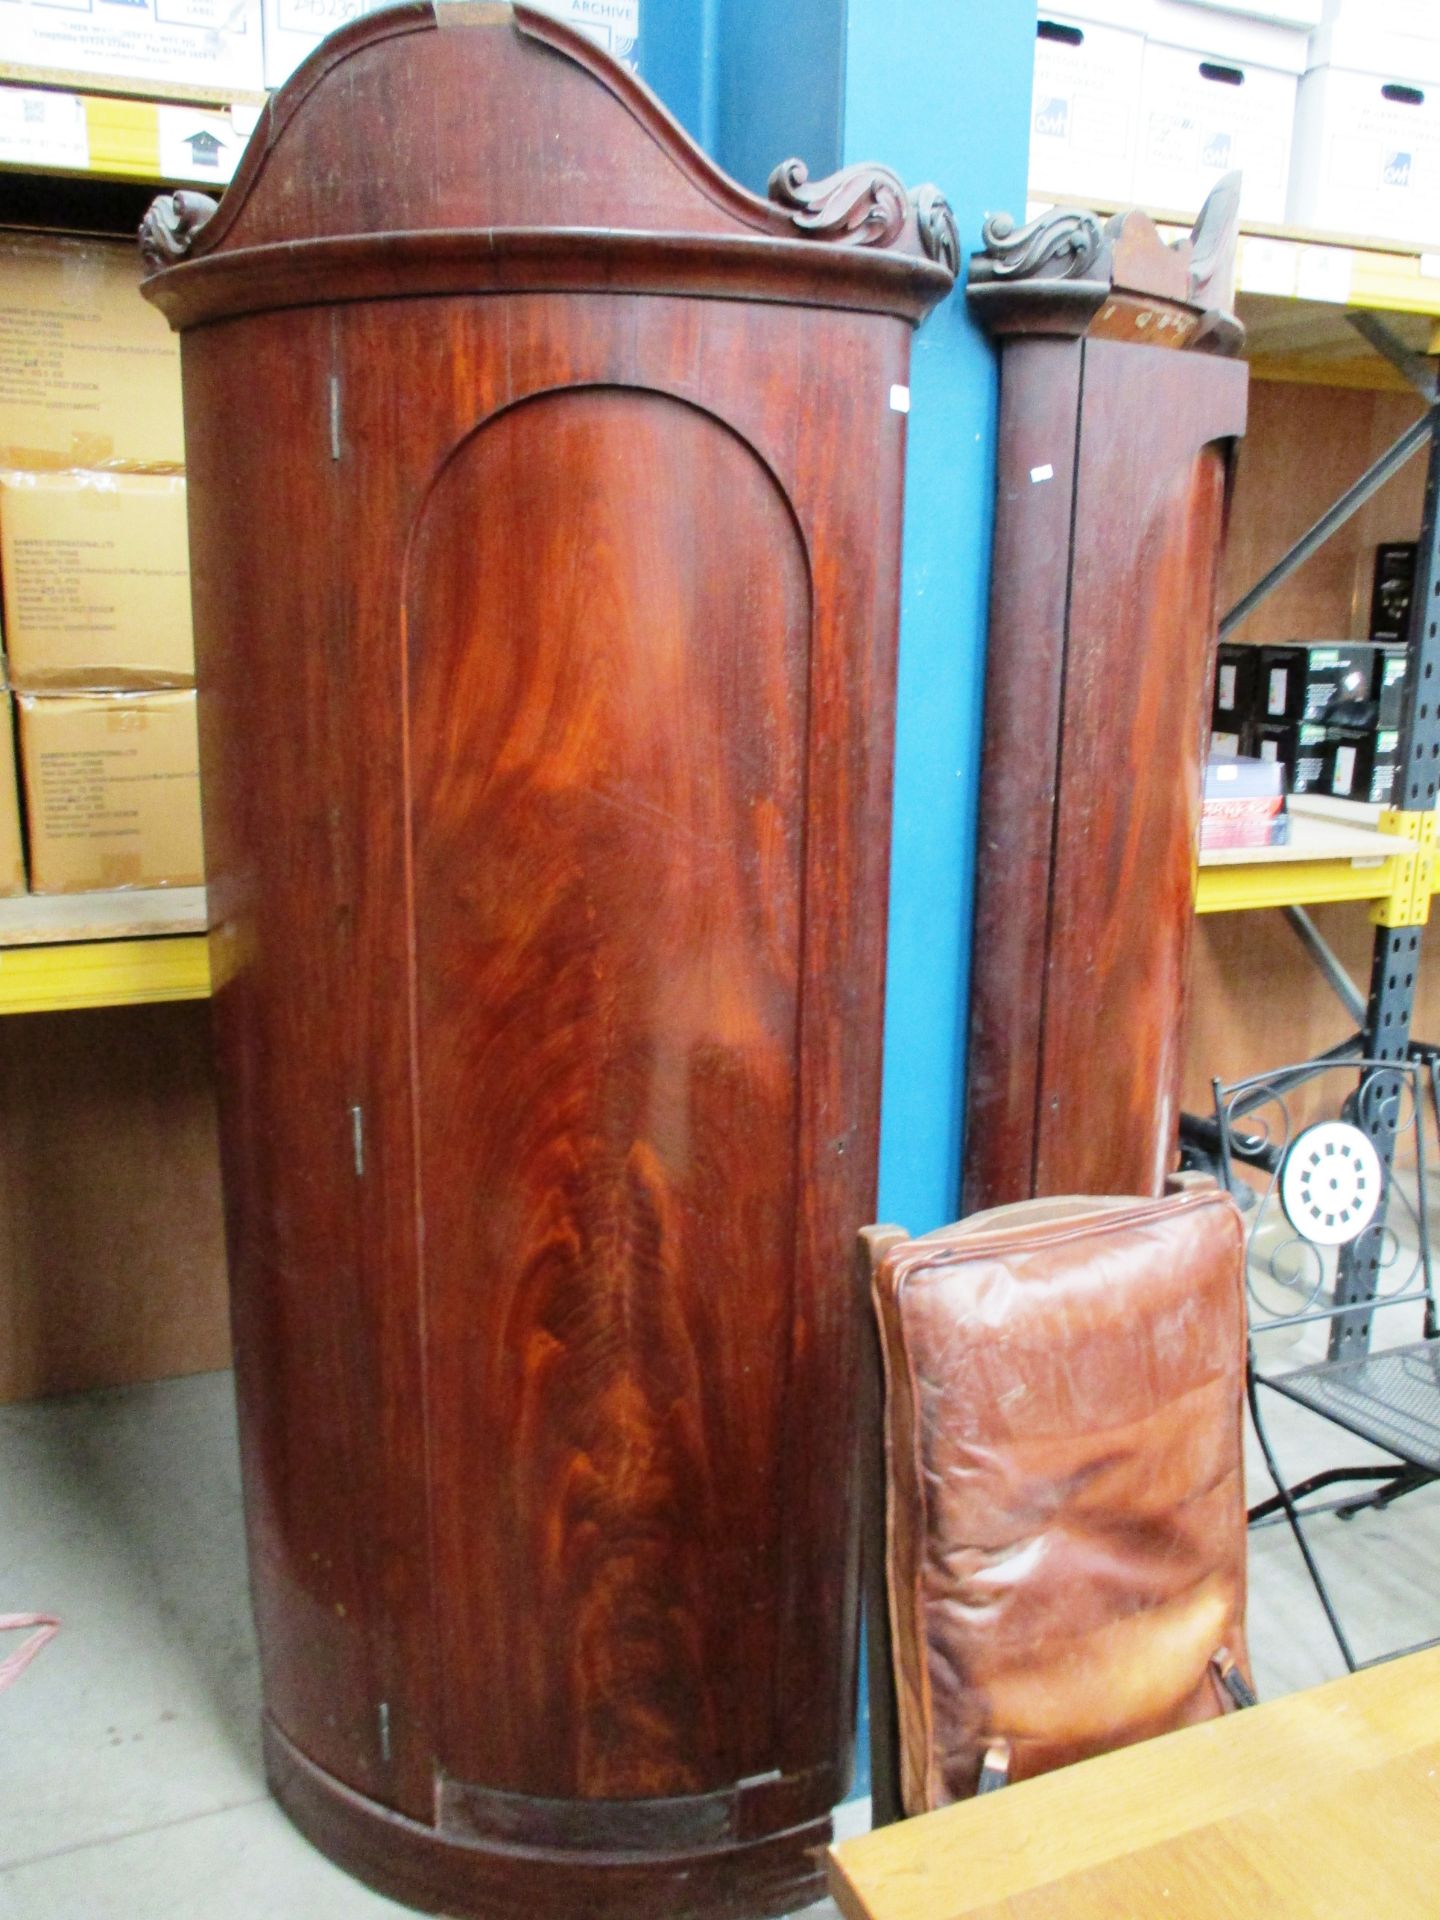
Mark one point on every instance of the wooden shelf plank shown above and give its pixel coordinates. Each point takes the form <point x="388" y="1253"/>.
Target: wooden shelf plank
<point x="1335" y="853"/>
<point x="128" y="913"/>
<point x="187" y="92"/>
<point x="59" y="951"/>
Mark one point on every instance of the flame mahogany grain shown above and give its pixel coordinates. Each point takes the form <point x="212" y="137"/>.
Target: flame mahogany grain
<point x="545" y="607"/>
<point x="1119" y="414"/>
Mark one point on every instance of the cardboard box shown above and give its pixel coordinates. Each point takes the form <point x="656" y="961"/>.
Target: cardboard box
<point x="96" y="579"/>
<point x="1085" y="105"/>
<point x="1217" y="95"/>
<point x="209" y="44"/>
<point x="12" y="844"/>
<point x="112" y="790"/>
<point x="89" y="371"/>
<point x="1366" y="156"/>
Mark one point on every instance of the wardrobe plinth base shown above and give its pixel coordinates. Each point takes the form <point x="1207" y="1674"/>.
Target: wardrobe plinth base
<point x="470" y="1879"/>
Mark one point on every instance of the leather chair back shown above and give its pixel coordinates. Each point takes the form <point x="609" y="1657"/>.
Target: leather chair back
<point x="1065" y="1551"/>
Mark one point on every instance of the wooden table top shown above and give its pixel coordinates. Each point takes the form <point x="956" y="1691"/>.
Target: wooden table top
<point x="1324" y="1804"/>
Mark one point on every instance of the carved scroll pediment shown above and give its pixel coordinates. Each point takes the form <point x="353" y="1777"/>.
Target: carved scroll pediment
<point x="866" y="206"/>
<point x="862" y="206"/>
<point x="1068" y="273"/>
<point x="170" y="225"/>
<point x="537" y="212"/>
<point x="1063" y="244"/>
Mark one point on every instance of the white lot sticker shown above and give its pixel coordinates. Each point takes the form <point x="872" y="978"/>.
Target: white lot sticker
<point x="1268" y="266"/>
<point x="899" y="399"/>
<point x="1037" y="474"/>
<point x="1324" y="274"/>
<point x="43" y="129"/>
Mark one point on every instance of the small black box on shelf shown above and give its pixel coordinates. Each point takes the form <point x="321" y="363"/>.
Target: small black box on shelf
<point x="1393" y="590"/>
<point x="1390" y="671"/>
<point x="1385" y="769"/>
<point x="1316" y="681"/>
<point x="1302" y="749"/>
<point x="1236" y="677"/>
<point x="1348" y="760"/>
<point x="1361" y="764"/>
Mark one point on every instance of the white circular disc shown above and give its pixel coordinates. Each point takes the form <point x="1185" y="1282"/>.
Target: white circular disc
<point x="1330" y="1183"/>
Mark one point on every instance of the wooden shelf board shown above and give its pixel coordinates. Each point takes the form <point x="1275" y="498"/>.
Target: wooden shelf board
<point x="1335" y="852"/>
<point x="1181" y="221"/>
<point x="129" y="913"/>
<point x="61" y="951"/>
<point x="171" y="93"/>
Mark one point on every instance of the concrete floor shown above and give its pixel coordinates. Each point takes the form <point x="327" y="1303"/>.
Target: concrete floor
<point x="130" y="1780"/>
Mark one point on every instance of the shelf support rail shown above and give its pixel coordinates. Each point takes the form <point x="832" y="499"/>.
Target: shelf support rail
<point x="1327" y="960"/>
<point x="1334" y="517"/>
<point x="1401" y="914"/>
<point x="1396" y="961"/>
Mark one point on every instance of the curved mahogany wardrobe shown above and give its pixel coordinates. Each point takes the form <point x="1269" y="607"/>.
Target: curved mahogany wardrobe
<point x="1121" y="405"/>
<point x="545" y="516"/>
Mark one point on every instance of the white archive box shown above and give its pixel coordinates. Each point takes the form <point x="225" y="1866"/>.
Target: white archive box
<point x="209" y="44"/>
<point x="1305" y="14"/>
<point x="1353" y="25"/>
<point x="1217" y="96"/>
<point x="1085" y="106"/>
<point x="294" y="28"/>
<point x="1366" y="156"/>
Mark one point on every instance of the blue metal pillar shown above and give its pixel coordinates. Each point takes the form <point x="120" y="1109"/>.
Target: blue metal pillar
<point x="752" y="87"/>
<point x="939" y="90"/>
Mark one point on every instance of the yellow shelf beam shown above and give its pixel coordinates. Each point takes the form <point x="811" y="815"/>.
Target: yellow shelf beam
<point x="1400" y="885"/>
<point x="1292" y="883"/>
<point x="103" y="973"/>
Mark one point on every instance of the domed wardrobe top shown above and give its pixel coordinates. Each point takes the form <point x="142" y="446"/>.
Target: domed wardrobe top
<point x="444" y="148"/>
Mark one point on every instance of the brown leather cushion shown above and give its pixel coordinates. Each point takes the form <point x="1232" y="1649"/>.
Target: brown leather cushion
<point x="1066" y="1506"/>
